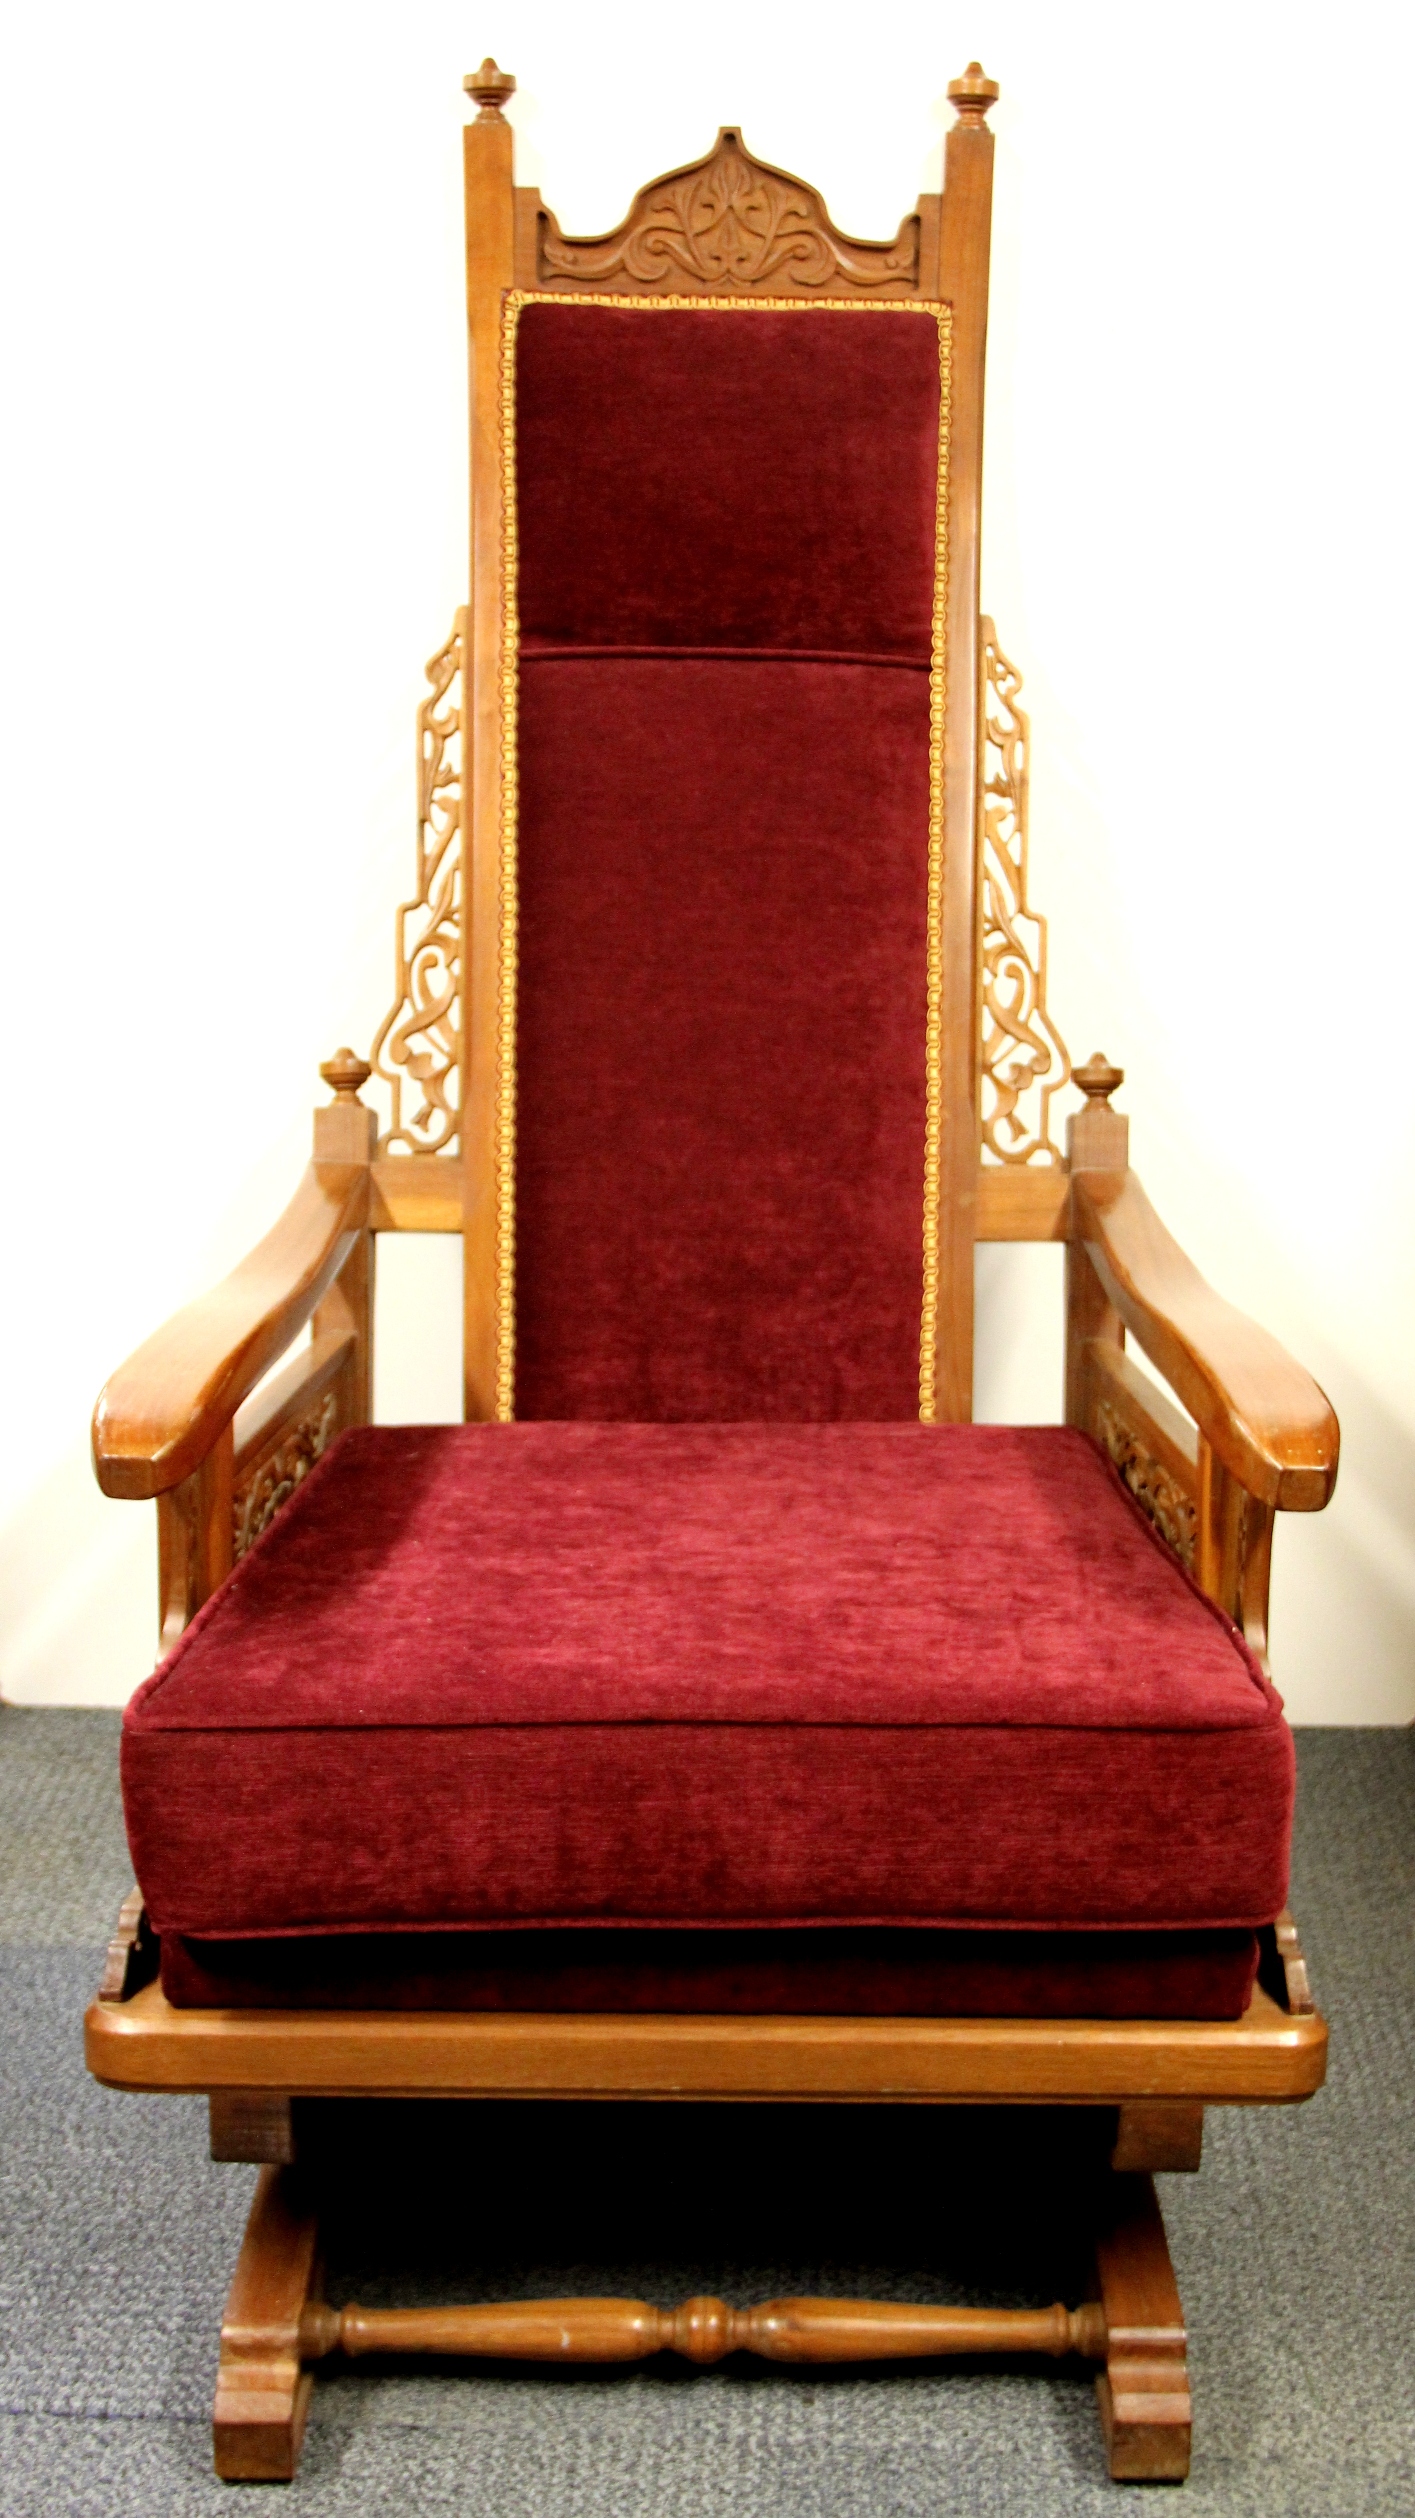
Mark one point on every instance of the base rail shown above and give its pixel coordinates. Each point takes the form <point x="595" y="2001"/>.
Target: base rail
<point x="277" y="2324"/>
<point x="704" y="2330"/>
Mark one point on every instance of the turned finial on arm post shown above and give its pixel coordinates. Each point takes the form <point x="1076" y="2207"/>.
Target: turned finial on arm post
<point x="346" y="1074"/>
<point x="489" y="88"/>
<point x="973" y="94"/>
<point x="1097" y="1137"/>
<point x="345" y="1130"/>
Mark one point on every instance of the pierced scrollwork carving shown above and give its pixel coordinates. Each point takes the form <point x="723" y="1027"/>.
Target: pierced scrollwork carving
<point x="419" y="1043"/>
<point x="274" y="1479"/>
<point x="729" y="222"/>
<point x="1024" y="1058"/>
<point x="1159" y="1495"/>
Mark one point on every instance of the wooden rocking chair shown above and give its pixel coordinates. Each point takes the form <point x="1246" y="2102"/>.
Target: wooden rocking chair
<point x="718" y="1713"/>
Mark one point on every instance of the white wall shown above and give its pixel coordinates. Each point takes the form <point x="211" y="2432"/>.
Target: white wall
<point x="232" y="464"/>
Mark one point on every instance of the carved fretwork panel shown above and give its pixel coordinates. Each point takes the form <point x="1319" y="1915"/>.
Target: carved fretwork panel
<point x="1024" y="1061"/>
<point x="729" y="223"/>
<point x="271" y="1481"/>
<point x="418" y="1051"/>
<point x="1157" y="1492"/>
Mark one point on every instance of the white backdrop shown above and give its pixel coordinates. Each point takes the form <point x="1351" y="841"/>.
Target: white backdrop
<point x="233" y="475"/>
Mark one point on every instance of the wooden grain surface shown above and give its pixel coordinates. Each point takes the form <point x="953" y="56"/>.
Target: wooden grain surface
<point x="416" y="1193"/>
<point x="704" y="2330"/>
<point x="262" y="2392"/>
<point x="1022" y="1203"/>
<point x="145" y="2044"/>
<point x="1268" y="1423"/>
<point x="1146" y="2409"/>
<point x="159" y="1416"/>
<point x="965" y="250"/>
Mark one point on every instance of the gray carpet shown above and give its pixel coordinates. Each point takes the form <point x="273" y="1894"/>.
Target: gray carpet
<point x="1295" y="2248"/>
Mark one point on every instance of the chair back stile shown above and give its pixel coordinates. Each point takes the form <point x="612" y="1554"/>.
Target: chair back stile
<point x="733" y="232"/>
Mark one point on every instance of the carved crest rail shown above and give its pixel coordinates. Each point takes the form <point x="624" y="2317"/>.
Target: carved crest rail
<point x="728" y="222"/>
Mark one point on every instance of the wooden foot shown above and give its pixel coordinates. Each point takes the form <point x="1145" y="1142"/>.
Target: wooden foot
<point x="262" y="2393"/>
<point x="1144" y="2388"/>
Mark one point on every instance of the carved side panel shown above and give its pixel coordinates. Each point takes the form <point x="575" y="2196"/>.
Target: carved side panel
<point x="1157" y="1492"/>
<point x="728" y="223"/>
<point x="418" y="1050"/>
<point x="271" y="1481"/>
<point x="1024" y="1060"/>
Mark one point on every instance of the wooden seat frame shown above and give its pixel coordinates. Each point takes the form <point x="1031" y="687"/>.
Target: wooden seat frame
<point x="180" y="1423"/>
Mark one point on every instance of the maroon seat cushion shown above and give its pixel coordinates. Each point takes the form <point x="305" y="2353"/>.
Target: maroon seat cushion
<point x="713" y="1675"/>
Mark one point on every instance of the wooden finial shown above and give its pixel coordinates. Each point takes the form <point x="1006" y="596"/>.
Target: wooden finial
<point x="1098" y="1079"/>
<point x="1098" y="1138"/>
<point x="345" y="1074"/>
<point x="490" y="87"/>
<point x="972" y="95"/>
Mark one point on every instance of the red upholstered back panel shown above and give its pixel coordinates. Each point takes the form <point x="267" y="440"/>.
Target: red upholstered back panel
<point x="726" y="525"/>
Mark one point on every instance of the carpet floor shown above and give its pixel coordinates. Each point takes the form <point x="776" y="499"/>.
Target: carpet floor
<point x="1295" y="2248"/>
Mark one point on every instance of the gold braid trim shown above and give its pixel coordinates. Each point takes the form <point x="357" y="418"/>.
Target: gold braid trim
<point x="505" y="1134"/>
<point x="933" y="1020"/>
<point x="504" y="1292"/>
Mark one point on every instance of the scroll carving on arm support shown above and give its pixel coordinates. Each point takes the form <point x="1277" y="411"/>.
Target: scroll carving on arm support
<point x="1022" y="1057"/>
<point x="420" y="1039"/>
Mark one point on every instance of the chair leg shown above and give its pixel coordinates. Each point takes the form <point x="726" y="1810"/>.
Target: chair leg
<point x="1146" y="2411"/>
<point x="262" y="2392"/>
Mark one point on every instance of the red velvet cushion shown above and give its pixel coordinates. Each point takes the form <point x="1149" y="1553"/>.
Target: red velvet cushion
<point x="852" y="1970"/>
<point x="716" y="478"/>
<point x="726" y="557"/>
<point x="720" y="1097"/>
<point x="689" y="1675"/>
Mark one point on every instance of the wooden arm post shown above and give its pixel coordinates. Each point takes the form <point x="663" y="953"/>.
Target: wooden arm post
<point x="346" y="1132"/>
<point x="194" y="1540"/>
<point x="178" y="1421"/>
<point x="1266" y="1438"/>
<point x="1097" y="1139"/>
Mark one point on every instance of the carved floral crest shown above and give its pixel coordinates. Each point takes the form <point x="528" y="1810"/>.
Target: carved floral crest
<point x="729" y="222"/>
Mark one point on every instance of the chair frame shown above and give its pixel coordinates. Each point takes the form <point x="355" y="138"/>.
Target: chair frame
<point x="184" y="1422"/>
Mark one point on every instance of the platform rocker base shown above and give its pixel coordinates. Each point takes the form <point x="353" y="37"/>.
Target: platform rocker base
<point x="276" y="2325"/>
<point x="1151" y="2080"/>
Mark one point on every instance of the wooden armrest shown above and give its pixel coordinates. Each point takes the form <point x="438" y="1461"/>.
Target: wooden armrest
<point x="1264" y="1417"/>
<point x="162" y="1411"/>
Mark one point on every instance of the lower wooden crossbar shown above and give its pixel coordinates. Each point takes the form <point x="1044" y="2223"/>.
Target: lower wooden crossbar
<point x="276" y="2324"/>
<point x="703" y="2330"/>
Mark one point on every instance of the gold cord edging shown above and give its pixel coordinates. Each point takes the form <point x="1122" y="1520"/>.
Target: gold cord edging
<point x="933" y="1020"/>
<point x="508" y="905"/>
